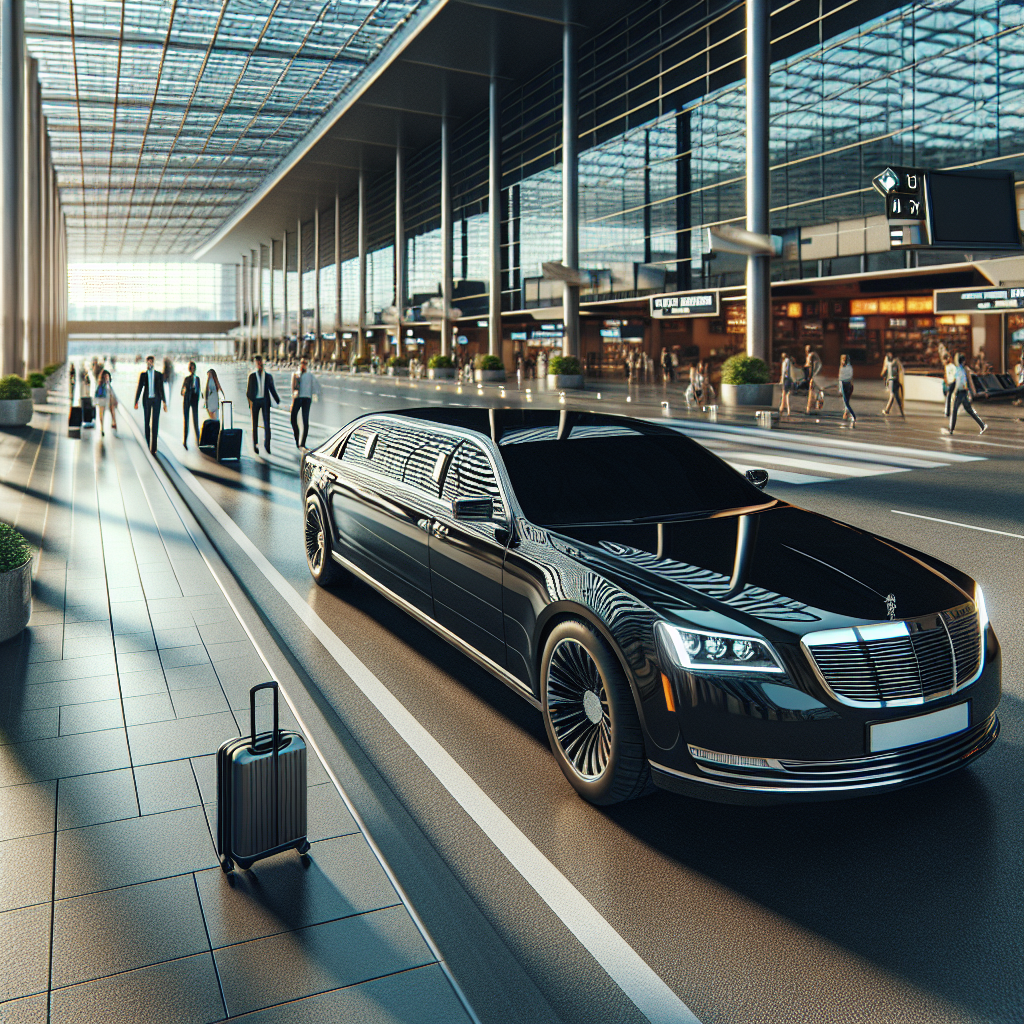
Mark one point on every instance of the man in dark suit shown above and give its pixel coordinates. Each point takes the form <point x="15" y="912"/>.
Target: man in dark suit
<point x="151" y="388"/>
<point x="260" y="390"/>
<point x="190" y="388"/>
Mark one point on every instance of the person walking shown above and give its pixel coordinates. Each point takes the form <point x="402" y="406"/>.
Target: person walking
<point x="190" y="388"/>
<point x="212" y="392"/>
<point x="815" y="392"/>
<point x="892" y="371"/>
<point x="949" y="379"/>
<point x="71" y="383"/>
<point x="102" y="400"/>
<point x="786" y="383"/>
<point x="151" y="389"/>
<point x="846" y="387"/>
<point x="259" y="391"/>
<point x="962" y="391"/>
<point x="304" y="387"/>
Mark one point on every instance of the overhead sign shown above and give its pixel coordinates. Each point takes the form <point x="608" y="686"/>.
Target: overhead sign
<point x="978" y="300"/>
<point x="685" y="304"/>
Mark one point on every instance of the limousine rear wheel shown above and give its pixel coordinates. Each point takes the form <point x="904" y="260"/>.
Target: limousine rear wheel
<point x="322" y="567"/>
<point x="590" y="717"/>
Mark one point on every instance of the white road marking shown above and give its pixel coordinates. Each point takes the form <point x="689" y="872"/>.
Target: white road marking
<point x="623" y="964"/>
<point x="840" y="468"/>
<point x="950" y="522"/>
<point x="781" y="476"/>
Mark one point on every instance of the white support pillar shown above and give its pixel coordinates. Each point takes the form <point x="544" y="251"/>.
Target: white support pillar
<point x="446" y="236"/>
<point x="284" y="296"/>
<point x="494" y="222"/>
<point x="272" y="328"/>
<point x="318" y="343"/>
<point x="259" y="298"/>
<point x="337" y="278"/>
<point x="570" y="187"/>
<point x="399" y="243"/>
<point x="12" y="116"/>
<point x="759" y="321"/>
<point x="361" y="195"/>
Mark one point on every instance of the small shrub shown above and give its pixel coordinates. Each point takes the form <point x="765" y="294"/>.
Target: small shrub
<point x="49" y="371"/>
<point x="440" y="362"/>
<point x="37" y="380"/>
<point x="398" y="361"/>
<point x="13" y="386"/>
<point x="745" y="370"/>
<point x="14" y="549"/>
<point x="361" y="361"/>
<point x="487" y="362"/>
<point x="564" y="365"/>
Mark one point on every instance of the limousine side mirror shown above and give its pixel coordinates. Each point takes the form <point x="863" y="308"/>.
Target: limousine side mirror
<point x="758" y="477"/>
<point x="473" y="508"/>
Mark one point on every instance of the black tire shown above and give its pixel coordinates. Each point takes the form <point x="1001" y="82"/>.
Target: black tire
<point x="322" y="566"/>
<point x="597" y="739"/>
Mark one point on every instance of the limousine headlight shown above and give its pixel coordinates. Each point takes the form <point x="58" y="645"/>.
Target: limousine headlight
<point x="979" y="601"/>
<point x="698" y="650"/>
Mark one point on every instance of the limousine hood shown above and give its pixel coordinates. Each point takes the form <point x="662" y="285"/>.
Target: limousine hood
<point x="782" y="566"/>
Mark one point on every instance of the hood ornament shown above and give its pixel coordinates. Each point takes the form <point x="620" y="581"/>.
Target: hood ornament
<point x="890" y="606"/>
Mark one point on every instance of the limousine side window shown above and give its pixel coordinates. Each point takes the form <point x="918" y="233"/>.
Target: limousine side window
<point x="363" y="447"/>
<point x="471" y="476"/>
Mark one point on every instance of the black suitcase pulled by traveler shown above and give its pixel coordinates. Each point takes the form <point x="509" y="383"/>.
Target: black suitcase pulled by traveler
<point x="261" y="792"/>
<point x="208" y="434"/>
<point x="75" y="421"/>
<point x="229" y="440"/>
<point x="88" y="412"/>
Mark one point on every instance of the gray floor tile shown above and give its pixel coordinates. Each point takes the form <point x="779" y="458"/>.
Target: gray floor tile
<point x="209" y="700"/>
<point x="78" y="668"/>
<point x="123" y="929"/>
<point x="132" y="643"/>
<point x="321" y="958"/>
<point x="205" y="769"/>
<point x="89" y="646"/>
<point x="244" y="670"/>
<point x="184" y="636"/>
<point x="191" y="677"/>
<point x="141" y="997"/>
<point x="30" y="725"/>
<point x="91" y="717"/>
<point x="24" y="953"/>
<point x="169" y="741"/>
<point x="135" y="850"/>
<point x="45" y="650"/>
<point x="280" y="894"/>
<point x="142" y="684"/>
<point x="224" y="632"/>
<point x="79" y="608"/>
<point x="122" y="595"/>
<point x="227" y="652"/>
<point x="93" y="799"/>
<point x="30" y="1010"/>
<point x="177" y="605"/>
<point x="420" y="996"/>
<point x="39" y="634"/>
<point x="57" y="758"/>
<point x="42" y="618"/>
<point x="208" y="616"/>
<point x="162" y="588"/>
<point x="168" y="786"/>
<point x="95" y="627"/>
<point x="26" y="872"/>
<point x="170" y="620"/>
<point x="180" y="657"/>
<point x="27" y="810"/>
<point x="70" y="691"/>
<point x="142" y="661"/>
<point x="153" y="707"/>
<point x="129" y="617"/>
<point x="328" y="817"/>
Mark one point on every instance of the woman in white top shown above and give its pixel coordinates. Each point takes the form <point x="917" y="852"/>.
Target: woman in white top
<point x="786" y="381"/>
<point x="846" y="387"/>
<point x="212" y="392"/>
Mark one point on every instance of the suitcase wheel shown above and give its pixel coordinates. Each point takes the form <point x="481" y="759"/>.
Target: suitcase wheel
<point x="226" y="865"/>
<point x="304" y="847"/>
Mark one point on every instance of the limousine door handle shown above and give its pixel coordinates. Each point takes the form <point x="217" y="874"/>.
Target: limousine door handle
<point x="438" y="529"/>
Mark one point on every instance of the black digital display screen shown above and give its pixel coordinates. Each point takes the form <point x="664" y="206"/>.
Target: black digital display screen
<point x="973" y="209"/>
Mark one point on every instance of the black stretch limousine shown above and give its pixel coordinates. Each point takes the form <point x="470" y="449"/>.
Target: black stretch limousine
<point x="674" y="624"/>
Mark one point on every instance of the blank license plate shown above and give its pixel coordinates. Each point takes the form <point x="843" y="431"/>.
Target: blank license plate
<point x="907" y="731"/>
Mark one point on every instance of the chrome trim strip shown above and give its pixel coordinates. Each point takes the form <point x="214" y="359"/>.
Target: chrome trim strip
<point x="446" y="634"/>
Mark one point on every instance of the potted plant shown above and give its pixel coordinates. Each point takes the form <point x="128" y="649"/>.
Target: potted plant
<point x="37" y="382"/>
<point x="398" y="366"/>
<point x="746" y="381"/>
<point x="15" y="401"/>
<point x="564" y="372"/>
<point x="488" y="368"/>
<point x="359" y="364"/>
<point x="51" y="371"/>
<point x="440" y="367"/>
<point x="15" y="582"/>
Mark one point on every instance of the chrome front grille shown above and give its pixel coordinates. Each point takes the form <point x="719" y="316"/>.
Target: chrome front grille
<point x="899" y="663"/>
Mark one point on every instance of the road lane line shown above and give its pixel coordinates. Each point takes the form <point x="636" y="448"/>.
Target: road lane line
<point x="950" y="522"/>
<point x="623" y="964"/>
<point x="782" y="476"/>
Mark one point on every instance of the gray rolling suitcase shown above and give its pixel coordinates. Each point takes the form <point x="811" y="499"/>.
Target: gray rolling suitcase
<point x="229" y="439"/>
<point x="261" y="792"/>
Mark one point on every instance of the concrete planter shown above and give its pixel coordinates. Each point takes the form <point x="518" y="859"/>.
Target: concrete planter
<point x="15" y="412"/>
<point x="747" y="394"/>
<point x="560" y="381"/>
<point x="358" y="369"/>
<point x="15" y="600"/>
<point x="398" y="371"/>
<point x="40" y="396"/>
<point x="488" y="376"/>
<point x="440" y="372"/>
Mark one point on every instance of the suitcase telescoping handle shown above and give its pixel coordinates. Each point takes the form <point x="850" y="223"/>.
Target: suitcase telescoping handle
<point x="228" y="407"/>
<point x="275" y="736"/>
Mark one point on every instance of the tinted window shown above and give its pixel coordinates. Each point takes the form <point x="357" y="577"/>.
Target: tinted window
<point x="366" y="438"/>
<point x="471" y="476"/>
<point x="591" y="479"/>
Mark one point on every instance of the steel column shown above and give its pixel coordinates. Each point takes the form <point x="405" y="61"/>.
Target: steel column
<point x="570" y="187"/>
<point x="45" y="342"/>
<point x="361" y="244"/>
<point x="399" y="244"/>
<point x="244" y="347"/>
<point x="12" y="114"/>
<point x="272" y="348"/>
<point x="337" y="277"/>
<point x="318" y="343"/>
<point x="759" y="323"/>
<point x="300" y="344"/>
<point x="259" y="298"/>
<point x="30" y="247"/>
<point x="446" y="235"/>
<point x="494" y="222"/>
<point x="285" y="331"/>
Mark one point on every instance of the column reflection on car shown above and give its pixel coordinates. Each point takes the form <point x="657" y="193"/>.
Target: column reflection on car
<point x="466" y="557"/>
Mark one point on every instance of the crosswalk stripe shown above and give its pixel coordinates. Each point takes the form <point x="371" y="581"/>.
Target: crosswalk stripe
<point x="820" y="465"/>
<point x="780" y="475"/>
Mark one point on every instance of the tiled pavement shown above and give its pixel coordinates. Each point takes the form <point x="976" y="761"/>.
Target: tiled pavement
<point x="133" y="670"/>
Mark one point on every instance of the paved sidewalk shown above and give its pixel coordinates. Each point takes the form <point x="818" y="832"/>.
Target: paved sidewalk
<point x="133" y="670"/>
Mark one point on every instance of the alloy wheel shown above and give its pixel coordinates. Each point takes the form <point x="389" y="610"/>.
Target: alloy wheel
<point x="315" y="542"/>
<point x="577" y="704"/>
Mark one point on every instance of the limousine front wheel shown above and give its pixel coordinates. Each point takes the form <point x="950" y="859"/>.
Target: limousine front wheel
<point x="322" y="567"/>
<point x="590" y="717"/>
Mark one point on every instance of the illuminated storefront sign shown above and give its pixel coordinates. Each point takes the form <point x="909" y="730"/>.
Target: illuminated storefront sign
<point x="685" y="304"/>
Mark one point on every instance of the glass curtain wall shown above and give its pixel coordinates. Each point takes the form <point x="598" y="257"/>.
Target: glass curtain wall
<point x="151" y="291"/>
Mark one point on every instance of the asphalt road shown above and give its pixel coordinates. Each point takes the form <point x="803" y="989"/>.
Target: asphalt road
<point x="905" y="907"/>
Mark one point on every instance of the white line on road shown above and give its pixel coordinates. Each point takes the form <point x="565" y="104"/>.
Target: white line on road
<point x="950" y="522"/>
<point x="623" y="964"/>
